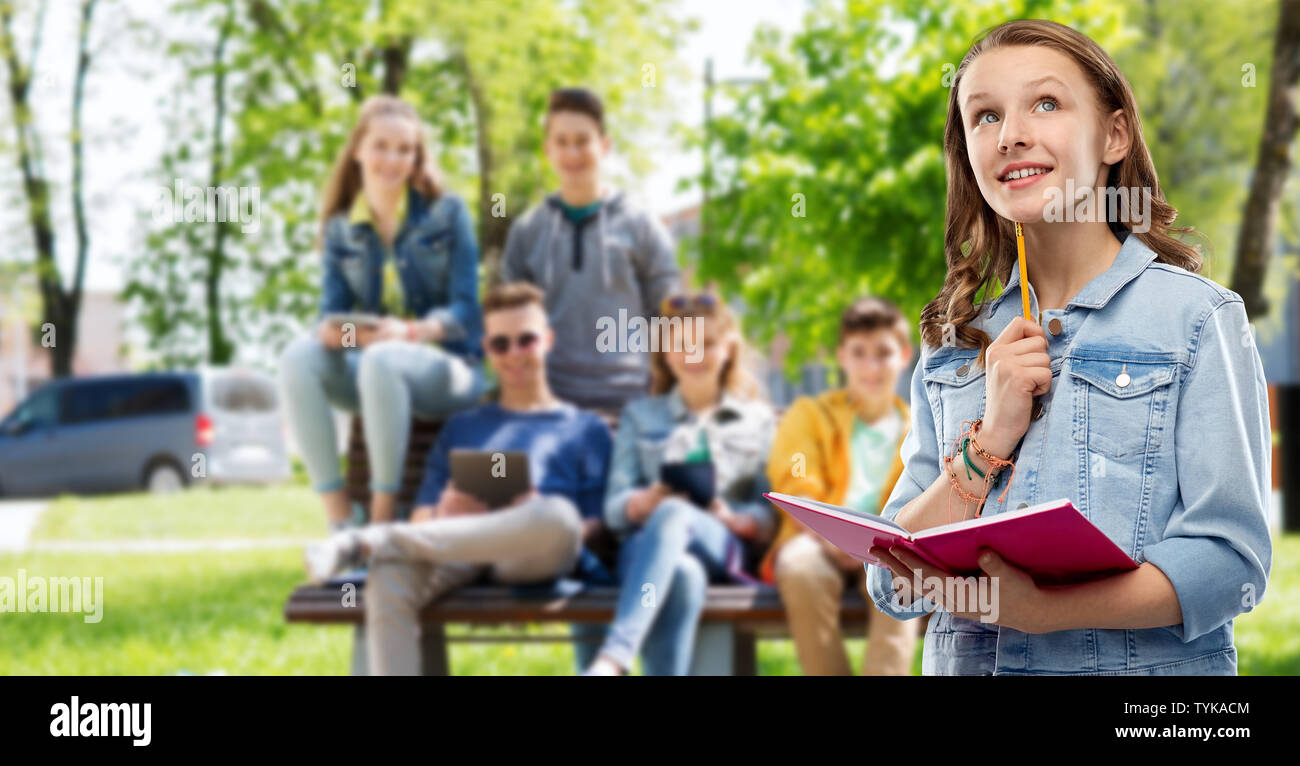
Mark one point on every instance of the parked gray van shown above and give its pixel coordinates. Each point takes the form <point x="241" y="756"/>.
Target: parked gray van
<point x="157" y="431"/>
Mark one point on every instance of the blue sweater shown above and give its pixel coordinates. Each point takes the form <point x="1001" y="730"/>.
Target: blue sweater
<point x="568" y="451"/>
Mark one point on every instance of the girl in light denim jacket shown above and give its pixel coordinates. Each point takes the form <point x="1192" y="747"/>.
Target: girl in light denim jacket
<point x="702" y="399"/>
<point x="397" y="246"/>
<point x="1136" y="392"/>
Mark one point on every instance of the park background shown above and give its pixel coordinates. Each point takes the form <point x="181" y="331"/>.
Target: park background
<point x="794" y="150"/>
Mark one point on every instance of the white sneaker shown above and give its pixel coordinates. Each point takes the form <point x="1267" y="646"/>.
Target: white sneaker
<point x="327" y="558"/>
<point x="604" y="666"/>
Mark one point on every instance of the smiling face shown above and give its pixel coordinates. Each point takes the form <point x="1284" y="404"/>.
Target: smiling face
<point x="388" y="152"/>
<point x="872" y="361"/>
<point x="575" y="146"/>
<point x="523" y="362"/>
<point x="1031" y="121"/>
<point x="703" y="358"/>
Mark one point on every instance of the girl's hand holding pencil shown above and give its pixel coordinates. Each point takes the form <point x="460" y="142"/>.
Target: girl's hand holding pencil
<point x="1019" y="368"/>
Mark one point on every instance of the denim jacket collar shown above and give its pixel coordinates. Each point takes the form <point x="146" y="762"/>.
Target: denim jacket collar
<point x="1133" y="258"/>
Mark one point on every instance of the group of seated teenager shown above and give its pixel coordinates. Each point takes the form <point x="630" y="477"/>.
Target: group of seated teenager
<point x="525" y="371"/>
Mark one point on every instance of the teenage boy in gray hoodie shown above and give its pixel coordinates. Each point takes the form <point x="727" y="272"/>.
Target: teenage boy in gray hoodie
<point x="601" y="261"/>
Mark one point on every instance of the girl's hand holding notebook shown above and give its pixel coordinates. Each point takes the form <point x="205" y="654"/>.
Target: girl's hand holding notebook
<point x="1015" y="601"/>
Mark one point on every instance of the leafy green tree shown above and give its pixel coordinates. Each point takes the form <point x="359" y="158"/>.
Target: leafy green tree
<point x="1273" y="163"/>
<point x="60" y="296"/>
<point x="265" y="106"/>
<point x="1202" y="106"/>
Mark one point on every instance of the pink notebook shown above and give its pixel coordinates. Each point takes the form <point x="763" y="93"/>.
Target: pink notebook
<point x="1052" y="540"/>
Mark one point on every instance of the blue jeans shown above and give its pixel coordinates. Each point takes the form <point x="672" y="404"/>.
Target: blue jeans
<point x="665" y="568"/>
<point x="386" y="382"/>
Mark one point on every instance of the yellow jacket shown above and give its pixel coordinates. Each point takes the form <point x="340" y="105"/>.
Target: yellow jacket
<point x="810" y="458"/>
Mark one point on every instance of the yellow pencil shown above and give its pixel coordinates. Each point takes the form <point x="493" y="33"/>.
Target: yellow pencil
<point x="1024" y="275"/>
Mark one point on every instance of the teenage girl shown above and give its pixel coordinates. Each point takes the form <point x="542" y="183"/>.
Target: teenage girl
<point x="1135" y="390"/>
<point x="400" y="248"/>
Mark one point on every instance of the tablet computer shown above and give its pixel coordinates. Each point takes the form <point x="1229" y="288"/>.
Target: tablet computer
<point x="696" y="480"/>
<point x="493" y="476"/>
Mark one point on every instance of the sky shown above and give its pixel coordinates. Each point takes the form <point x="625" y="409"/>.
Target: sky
<point x="726" y="28"/>
<point x="123" y="119"/>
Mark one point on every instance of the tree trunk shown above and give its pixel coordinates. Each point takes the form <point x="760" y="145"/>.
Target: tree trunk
<point x="220" y="349"/>
<point x="1259" y="219"/>
<point x="395" y="56"/>
<point x="54" y="305"/>
<point x="492" y="230"/>
<point x="67" y="344"/>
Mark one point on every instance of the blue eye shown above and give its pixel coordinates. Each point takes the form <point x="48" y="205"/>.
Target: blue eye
<point x="979" y="119"/>
<point x="1049" y="102"/>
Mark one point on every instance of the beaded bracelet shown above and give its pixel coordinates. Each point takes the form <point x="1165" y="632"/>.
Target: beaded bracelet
<point x="967" y="438"/>
<point x="998" y="464"/>
<point x="968" y="497"/>
<point x="989" y="457"/>
<point x="970" y="466"/>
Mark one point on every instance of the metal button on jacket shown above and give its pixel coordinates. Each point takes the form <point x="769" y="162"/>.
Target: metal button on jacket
<point x="1054" y="326"/>
<point x="1038" y="410"/>
<point x="961" y="371"/>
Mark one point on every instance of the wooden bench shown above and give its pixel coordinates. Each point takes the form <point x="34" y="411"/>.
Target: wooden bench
<point x="357" y="477"/>
<point x="734" y="618"/>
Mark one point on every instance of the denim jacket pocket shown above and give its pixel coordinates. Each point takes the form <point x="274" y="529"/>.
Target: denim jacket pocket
<point x="351" y="264"/>
<point x="1120" y="405"/>
<point x="958" y="647"/>
<point x="430" y="255"/>
<point x="955" y="386"/>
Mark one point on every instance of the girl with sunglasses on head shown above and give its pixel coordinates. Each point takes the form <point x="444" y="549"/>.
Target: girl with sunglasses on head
<point x="398" y="247"/>
<point x="704" y="420"/>
<point x="1133" y="388"/>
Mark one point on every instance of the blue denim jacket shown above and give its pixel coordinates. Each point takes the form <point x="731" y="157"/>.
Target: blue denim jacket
<point x="437" y="261"/>
<point x="1171" y="463"/>
<point x="739" y="433"/>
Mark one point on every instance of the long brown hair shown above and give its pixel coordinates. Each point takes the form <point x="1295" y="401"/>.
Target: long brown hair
<point x="345" y="177"/>
<point x="980" y="245"/>
<point x="735" y="379"/>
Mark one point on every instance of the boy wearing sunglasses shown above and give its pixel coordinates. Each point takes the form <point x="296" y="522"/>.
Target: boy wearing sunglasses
<point x="599" y="258"/>
<point x="452" y="539"/>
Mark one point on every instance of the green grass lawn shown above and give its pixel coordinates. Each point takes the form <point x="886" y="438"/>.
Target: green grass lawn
<point x="220" y="612"/>
<point x="203" y="513"/>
